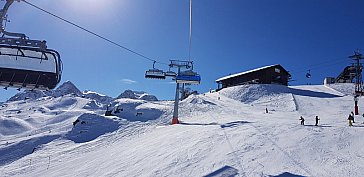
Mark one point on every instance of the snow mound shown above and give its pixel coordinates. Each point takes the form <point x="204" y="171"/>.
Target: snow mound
<point x="196" y="105"/>
<point x="62" y="103"/>
<point x="344" y="88"/>
<point x="93" y="105"/>
<point x="137" y="95"/>
<point x="274" y="97"/>
<point x="89" y="126"/>
<point x="136" y="110"/>
<point x="196" y="100"/>
<point x="12" y="126"/>
<point x="251" y="93"/>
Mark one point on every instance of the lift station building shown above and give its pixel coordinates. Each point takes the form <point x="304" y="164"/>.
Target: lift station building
<point x="273" y="74"/>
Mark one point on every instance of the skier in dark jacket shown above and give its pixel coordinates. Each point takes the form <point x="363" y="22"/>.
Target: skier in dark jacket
<point x="302" y="120"/>
<point x="317" y="119"/>
<point x="352" y="116"/>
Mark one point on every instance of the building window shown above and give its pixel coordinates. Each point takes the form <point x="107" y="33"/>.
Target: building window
<point x="277" y="70"/>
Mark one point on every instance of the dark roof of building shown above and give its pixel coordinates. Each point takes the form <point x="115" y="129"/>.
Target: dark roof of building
<point x="250" y="71"/>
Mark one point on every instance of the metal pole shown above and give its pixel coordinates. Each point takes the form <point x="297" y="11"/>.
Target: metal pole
<point x="176" y="100"/>
<point x="183" y="92"/>
<point x="356" y="108"/>
<point x="175" y="111"/>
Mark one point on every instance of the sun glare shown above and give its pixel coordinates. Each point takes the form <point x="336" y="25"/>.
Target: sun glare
<point x="90" y="6"/>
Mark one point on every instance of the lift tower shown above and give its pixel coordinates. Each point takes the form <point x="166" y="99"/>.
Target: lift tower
<point x="358" y="79"/>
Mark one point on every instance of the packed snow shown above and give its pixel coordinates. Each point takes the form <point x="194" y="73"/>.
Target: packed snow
<point x="227" y="133"/>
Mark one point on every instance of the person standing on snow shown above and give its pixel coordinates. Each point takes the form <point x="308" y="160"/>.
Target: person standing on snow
<point x="350" y="118"/>
<point x="317" y="119"/>
<point x="302" y="120"/>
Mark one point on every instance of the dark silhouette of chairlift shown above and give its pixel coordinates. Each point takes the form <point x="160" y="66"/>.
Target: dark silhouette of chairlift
<point x="26" y="63"/>
<point x="308" y="74"/>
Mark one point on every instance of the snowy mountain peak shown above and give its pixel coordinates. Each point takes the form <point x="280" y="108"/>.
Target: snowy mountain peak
<point x="127" y="94"/>
<point x="67" y="88"/>
<point x="137" y="95"/>
<point x="97" y="96"/>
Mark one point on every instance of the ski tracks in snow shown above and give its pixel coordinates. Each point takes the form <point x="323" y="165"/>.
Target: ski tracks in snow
<point x="237" y="113"/>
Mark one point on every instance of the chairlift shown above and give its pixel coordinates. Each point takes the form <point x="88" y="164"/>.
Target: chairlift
<point x="170" y="74"/>
<point x="308" y="74"/>
<point x="24" y="67"/>
<point x="188" y="77"/>
<point x="26" y="63"/>
<point x="155" y="73"/>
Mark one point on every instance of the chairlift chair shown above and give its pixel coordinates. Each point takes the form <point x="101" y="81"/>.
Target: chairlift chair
<point x="188" y="77"/>
<point x="155" y="73"/>
<point x="308" y="74"/>
<point x="26" y="63"/>
<point x="170" y="74"/>
<point x="30" y="68"/>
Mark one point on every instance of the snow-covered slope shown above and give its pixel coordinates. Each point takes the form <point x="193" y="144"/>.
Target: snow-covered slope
<point x="226" y="133"/>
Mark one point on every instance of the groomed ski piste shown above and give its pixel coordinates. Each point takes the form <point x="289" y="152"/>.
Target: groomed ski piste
<point x="225" y="133"/>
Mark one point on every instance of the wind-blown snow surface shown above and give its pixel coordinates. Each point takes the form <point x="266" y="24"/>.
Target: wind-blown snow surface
<point x="226" y="133"/>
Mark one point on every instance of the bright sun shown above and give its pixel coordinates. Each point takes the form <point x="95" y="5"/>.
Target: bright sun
<point x="89" y="6"/>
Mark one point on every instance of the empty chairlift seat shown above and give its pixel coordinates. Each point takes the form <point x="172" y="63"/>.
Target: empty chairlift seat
<point x="155" y="74"/>
<point x="170" y="74"/>
<point x="188" y="77"/>
<point x="31" y="68"/>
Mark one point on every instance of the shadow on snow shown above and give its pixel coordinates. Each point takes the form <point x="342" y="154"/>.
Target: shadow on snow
<point x="202" y="124"/>
<point x="312" y="93"/>
<point x="287" y="174"/>
<point x="225" y="171"/>
<point x="233" y="124"/>
<point x="15" y="152"/>
<point x="318" y="126"/>
<point x="227" y="125"/>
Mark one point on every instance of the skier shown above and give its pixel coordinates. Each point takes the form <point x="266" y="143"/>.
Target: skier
<point x="302" y="120"/>
<point x="350" y="118"/>
<point x="317" y="119"/>
<point x="266" y="110"/>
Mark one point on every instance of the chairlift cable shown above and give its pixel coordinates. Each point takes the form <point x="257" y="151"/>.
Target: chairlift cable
<point x="190" y="34"/>
<point x="319" y="65"/>
<point x="93" y="33"/>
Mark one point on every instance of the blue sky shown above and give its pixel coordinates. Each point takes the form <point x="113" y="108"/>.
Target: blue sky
<point x="229" y="36"/>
